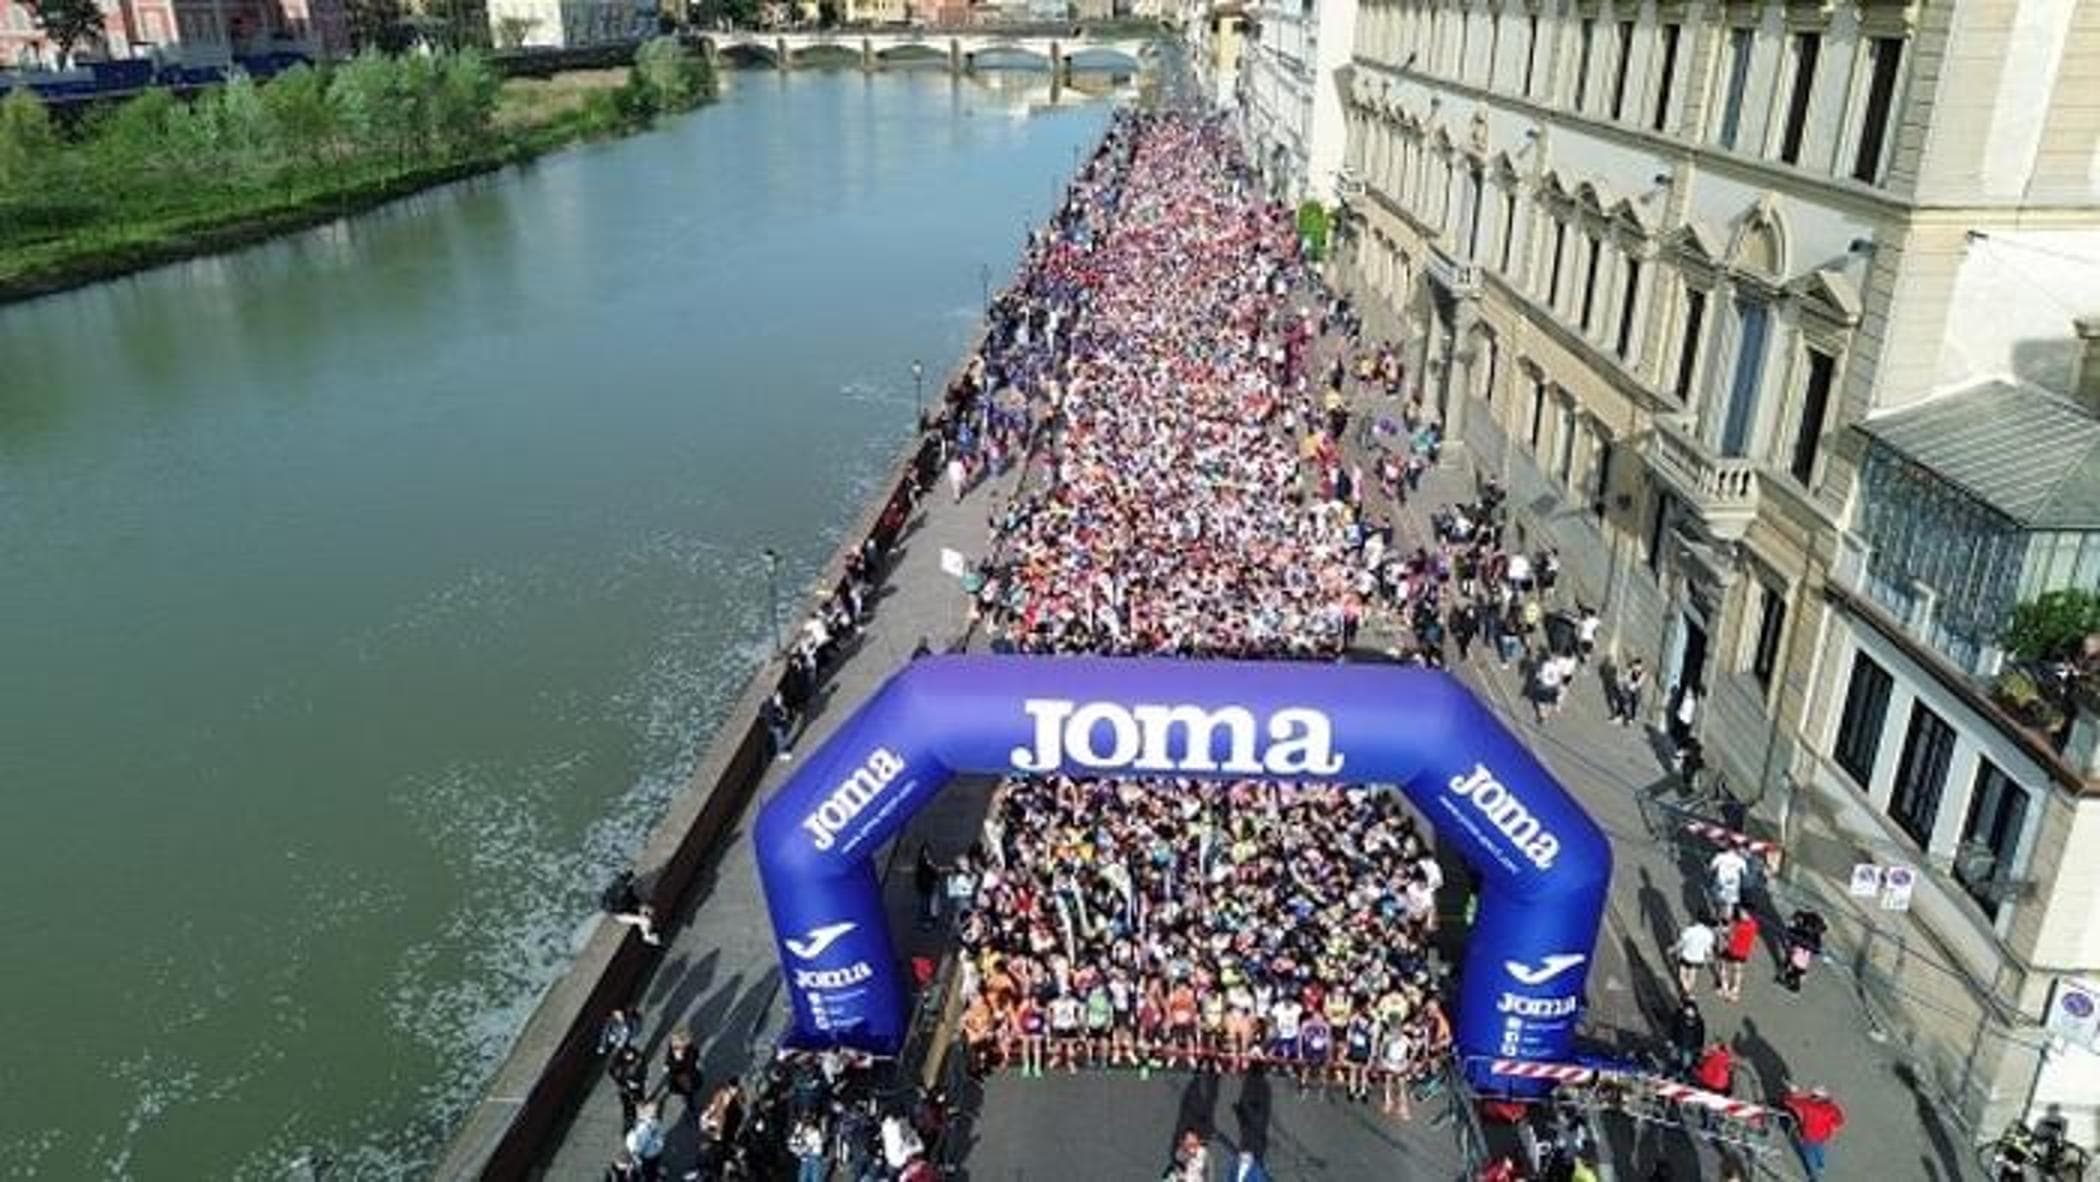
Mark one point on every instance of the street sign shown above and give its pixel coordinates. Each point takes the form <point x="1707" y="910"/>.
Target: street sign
<point x="1866" y="880"/>
<point x="2074" y="1012"/>
<point x="1897" y="883"/>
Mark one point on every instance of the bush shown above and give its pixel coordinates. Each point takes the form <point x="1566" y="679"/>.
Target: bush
<point x="2052" y="627"/>
<point x="671" y="76"/>
<point x="1312" y="229"/>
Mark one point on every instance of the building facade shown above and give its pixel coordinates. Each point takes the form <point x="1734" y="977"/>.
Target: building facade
<point x="567" y="24"/>
<point x="1216" y="36"/>
<point x="184" y="32"/>
<point x="1289" y="95"/>
<point x="1667" y="266"/>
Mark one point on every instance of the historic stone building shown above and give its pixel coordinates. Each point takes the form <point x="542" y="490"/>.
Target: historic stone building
<point x="1723" y="292"/>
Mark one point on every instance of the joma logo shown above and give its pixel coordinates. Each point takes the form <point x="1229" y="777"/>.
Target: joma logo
<point x="1295" y="741"/>
<point x="1508" y="814"/>
<point x="851" y="796"/>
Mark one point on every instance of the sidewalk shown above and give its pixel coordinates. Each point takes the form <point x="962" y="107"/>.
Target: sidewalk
<point x="1820" y="1036"/>
<point x="719" y="975"/>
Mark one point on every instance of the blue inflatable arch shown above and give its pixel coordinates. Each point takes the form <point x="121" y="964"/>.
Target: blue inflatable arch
<point x="1544" y="864"/>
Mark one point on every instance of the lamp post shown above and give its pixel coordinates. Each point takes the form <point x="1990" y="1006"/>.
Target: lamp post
<point x="772" y="559"/>
<point x="918" y="385"/>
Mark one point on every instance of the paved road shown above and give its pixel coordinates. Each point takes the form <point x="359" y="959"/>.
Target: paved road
<point x="1113" y="1127"/>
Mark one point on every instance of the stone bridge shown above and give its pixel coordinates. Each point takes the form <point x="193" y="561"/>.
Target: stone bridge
<point x="960" y="50"/>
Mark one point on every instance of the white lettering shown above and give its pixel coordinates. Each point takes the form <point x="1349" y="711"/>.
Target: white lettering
<point x="1507" y="813"/>
<point x="1162" y="738"/>
<point x="1301" y="744"/>
<point x="853" y="794"/>
<point x="1538" y="1007"/>
<point x="852" y="974"/>
<point x="1079" y="735"/>
<point x="1049" y="753"/>
<point x="1198" y="728"/>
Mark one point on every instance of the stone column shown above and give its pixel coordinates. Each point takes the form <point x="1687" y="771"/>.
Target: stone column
<point x="780" y="46"/>
<point x="867" y="55"/>
<point x="1458" y="369"/>
<point x="955" y="55"/>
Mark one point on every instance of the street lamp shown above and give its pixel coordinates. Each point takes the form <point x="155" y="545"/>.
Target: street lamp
<point x="918" y="384"/>
<point x="772" y="559"/>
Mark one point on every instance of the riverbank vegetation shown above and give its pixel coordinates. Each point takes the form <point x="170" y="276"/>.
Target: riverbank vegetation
<point x="158" y="177"/>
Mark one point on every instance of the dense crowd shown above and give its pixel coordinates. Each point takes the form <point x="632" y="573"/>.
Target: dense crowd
<point x="1188" y="498"/>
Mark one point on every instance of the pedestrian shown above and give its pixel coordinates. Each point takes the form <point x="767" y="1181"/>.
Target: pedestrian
<point x="1687" y="1036"/>
<point x="806" y="1145"/>
<point x="1694" y="951"/>
<point x="682" y="1072"/>
<point x="1715" y="1071"/>
<point x="926" y="880"/>
<point x="1683" y="714"/>
<point x="1817" y="1120"/>
<point x="1586" y="627"/>
<point x="622" y="899"/>
<point x="629" y="1073"/>
<point x="621" y="1028"/>
<point x="719" y="1126"/>
<point x="1191" y="1159"/>
<point x="1804" y="942"/>
<point x="645" y="1140"/>
<point x="1735" y="952"/>
<point x="1725" y="872"/>
<point x="1250" y="1168"/>
<point x="1546" y="689"/>
<point x="1631" y="680"/>
<point x="623" y="1167"/>
<point x="773" y="712"/>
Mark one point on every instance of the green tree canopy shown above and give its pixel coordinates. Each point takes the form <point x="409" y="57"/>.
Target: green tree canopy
<point x="2053" y="626"/>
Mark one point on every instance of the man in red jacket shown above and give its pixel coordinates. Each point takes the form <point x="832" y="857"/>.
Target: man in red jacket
<point x="1817" y="1119"/>
<point x="1716" y="1069"/>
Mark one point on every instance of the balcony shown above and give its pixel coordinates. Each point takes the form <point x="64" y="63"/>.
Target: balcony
<point x="1460" y="279"/>
<point x="1722" y="493"/>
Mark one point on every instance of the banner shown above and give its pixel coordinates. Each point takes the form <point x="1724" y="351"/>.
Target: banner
<point x="1544" y="865"/>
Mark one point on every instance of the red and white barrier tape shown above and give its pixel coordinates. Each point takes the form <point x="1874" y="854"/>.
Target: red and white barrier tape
<point x="1663" y="1088"/>
<point x="1722" y="835"/>
<point x="1559" y="1072"/>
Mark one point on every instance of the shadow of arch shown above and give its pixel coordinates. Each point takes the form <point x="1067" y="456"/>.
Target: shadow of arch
<point x="749" y="54"/>
<point x="826" y="55"/>
<point x="1009" y="57"/>
<point x="1103" y="58"/>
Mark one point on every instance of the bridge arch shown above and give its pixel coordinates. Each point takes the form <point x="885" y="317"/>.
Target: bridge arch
<point x="1102" y="57"/>
<point x="1544" y="865"/>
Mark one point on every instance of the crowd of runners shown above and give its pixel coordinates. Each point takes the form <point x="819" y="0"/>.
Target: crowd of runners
<point x="1188" y="497"/>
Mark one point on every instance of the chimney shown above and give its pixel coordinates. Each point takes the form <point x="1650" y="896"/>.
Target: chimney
<point x="2085" y="368"/>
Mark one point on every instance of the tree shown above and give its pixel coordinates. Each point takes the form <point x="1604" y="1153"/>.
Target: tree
<point x="2053" y="626"/>
<point x="672" y="76"/>
<point x="67" y="23"/>
<point x="463" y="107"/>
<point x="25" y="137"/>
<point x="301" y="119"/>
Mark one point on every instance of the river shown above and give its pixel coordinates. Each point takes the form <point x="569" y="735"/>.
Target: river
<point x="365" y="595"/>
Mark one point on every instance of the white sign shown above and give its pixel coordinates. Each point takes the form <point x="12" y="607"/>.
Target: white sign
<point x="2074" y="1012"/>
<point x="1897" y="882"/>
<point x="953" y="563"/>
<point x="1866" y="880"/>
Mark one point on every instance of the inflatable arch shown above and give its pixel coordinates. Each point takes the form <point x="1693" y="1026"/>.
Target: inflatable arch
<point x="1544" y="864"/>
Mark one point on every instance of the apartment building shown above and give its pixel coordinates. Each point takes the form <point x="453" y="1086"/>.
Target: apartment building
<point x="1216" y="35"/>
<point x="183" y="32"/>
<point x="1289" y="96"/>
<point x="1721" y="289"/>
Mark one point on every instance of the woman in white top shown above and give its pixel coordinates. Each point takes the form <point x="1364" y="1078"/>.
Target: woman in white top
<point x="1396" y="1064"/>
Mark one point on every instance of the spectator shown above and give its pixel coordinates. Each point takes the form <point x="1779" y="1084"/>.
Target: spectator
<point x="1817" y="1120"/>
<point x="1741" y="942"/>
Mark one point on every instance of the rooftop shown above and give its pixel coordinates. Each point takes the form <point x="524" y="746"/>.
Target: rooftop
<point x="2029" y="454"/>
